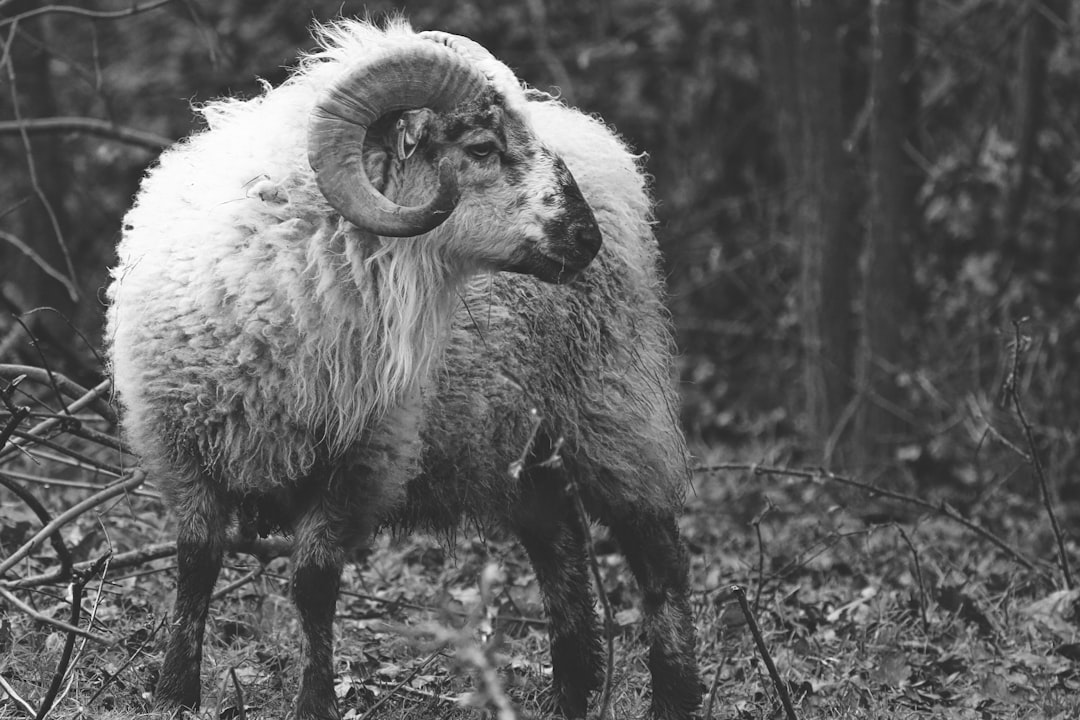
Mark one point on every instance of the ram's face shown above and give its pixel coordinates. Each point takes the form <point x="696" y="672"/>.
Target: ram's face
<point x="459" y="166"/>
<point x="519" y="208"/>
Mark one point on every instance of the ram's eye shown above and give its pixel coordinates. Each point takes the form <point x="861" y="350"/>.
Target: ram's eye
<point x="482" y="150"/>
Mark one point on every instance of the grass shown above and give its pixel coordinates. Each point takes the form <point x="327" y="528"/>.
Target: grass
<point x="914" y="619"/>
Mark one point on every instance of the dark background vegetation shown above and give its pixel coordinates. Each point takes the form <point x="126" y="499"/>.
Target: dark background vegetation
<point x="869" y="211"/>
<point x="854" y="209"/>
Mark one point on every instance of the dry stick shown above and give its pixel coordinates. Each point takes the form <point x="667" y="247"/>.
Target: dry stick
<point x="239" y="583"/>
<point x="58" y="624"/>
<point x="1013" y="384"/>
<point x="609" y="615"/>
<point x="918" y="577"/>
<point x="62" y="553"/>
<point x="84" y="459"/>
<point x="137" y="478"/>
<point x="269" y="547"/>
<point x="16" y="698"/>
<point x="111" y="677"/>
<point x="756" y="522"/>
<point x="77" y="587"/>
<point x="942" y="509"/>
<point x="68" y="387"/>
<point x="241" y="713"/>
<point x="50" y="482"/>
<point x="415" y="671"/>
<point x="740" y="594"/>
<point x="397" y="602"/>
<point x="715" y="683"/>
<point x="44" y="363"/>
<point x="91" y="396"/>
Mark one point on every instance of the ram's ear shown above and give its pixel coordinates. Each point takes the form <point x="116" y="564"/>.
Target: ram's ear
<point x="412" y="127"/>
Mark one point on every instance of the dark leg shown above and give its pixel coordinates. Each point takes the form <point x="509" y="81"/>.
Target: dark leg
<point x="656" y="555"/>
<point x="323" y="537"/>
<point x="199" y="546"/>
<point x="545" y="522"/>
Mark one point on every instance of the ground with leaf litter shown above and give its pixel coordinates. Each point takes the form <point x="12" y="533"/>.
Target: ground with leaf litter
<point x="912" y="616"/>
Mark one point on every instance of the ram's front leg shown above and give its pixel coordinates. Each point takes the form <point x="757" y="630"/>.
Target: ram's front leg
<point x="326" y="534"/>
<point x="200" y="540"/>
<point x="318" y="558"/>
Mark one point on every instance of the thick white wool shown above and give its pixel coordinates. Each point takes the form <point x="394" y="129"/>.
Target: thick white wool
<point x="251" y="331"/>
<point x="231" y="258"/>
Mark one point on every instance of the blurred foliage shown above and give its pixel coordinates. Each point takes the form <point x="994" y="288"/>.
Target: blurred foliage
<point x="682" y="81"/>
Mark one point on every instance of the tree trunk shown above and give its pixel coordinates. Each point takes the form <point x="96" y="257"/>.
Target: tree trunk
<point x="887" y="274"/>
<point x="823" y="224"/>
<point x="1036" y="42"/>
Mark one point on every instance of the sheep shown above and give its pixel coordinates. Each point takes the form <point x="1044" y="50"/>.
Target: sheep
<point x="353" y="301"/>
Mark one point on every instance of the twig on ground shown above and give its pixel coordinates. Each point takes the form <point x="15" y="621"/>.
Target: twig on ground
<point x="715" y="687"/>
<point x="408" y="678"/>
<point x="241" y="712"/>
<point x="918" y="577"/>
<point x="111" y="677"/>
<point x="822" y="475"/>
<point x="58" y="624"/>
<point x="239" y="582"/>
<point x="16" y="698"/>
<point x="78" y="585"/>
<point x="1012" y="385"/>
<point x="781" y="688"/>
<point x="756" y="522"/>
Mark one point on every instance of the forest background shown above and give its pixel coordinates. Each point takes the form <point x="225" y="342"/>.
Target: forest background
<point x="854" y="206"/>
<point x="869" y="211"/>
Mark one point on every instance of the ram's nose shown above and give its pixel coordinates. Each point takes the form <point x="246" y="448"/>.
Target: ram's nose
<point x="582" y="234"/>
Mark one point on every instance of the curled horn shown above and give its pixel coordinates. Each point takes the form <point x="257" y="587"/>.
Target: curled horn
<point x="502" y="76"/>
<point x="414" y="76"/>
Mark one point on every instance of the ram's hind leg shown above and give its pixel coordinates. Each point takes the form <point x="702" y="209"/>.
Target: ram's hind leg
<point x="202" y="517"/>
<point x="650" y="540"/>
<point x="545" y="522"/>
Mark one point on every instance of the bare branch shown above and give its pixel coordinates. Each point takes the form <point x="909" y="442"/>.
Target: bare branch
<point x="135" y="480"/>
<point x="32" y="166"/>
<point x="37" y="259"/>
<point x="781" y="688"/>
<point x="83" y="12"/>
<point x="1013" y="387"/>
<point x="262" y="548"/>
<point x="58" y="624"/>
<point x="91" y="126"/>
<point x="89" y="398"/>
<point x="943" y="509"/>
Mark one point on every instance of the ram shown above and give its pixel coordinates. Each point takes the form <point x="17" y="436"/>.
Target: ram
<point x="310" y="333"/>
